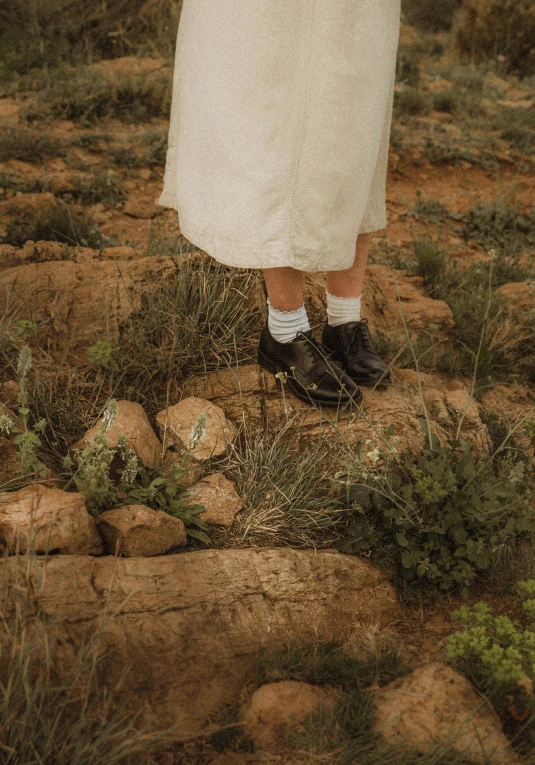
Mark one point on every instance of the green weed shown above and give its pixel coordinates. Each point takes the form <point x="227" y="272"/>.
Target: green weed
<point x="497" y="654"/>
<point x="440" y="518"/>
<point x="92" y="471"/>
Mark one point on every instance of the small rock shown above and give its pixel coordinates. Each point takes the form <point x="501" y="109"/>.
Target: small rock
<point x="220" y="498"/>
<point x="434" y="704"/>
<point x="142" y="207"/>
<point x="278" y="708"/>
<point x="436" y="406"/>
<point x="178" y="424"/>
<point x="48" y="519"/>
<point x="123" y="252"/>
<point x="137" y="531"/>
<point x="132" y="421"/>
<point x="193" y="470"/>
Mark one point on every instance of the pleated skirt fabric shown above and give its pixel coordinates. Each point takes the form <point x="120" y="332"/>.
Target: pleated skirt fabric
<point x="280" y="125"/>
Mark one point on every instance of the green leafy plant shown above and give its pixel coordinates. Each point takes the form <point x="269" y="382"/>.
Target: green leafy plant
<point x="165" y="492"/>
<point x="92" y="467"/>
<point x="438" y="519"/>
<point x="94" y="477"/>
<point x="26" y="438"/>
<point x="497" y="653"/>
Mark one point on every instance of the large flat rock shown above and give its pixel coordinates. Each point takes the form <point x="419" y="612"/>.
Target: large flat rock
<point x="190" y="625"/>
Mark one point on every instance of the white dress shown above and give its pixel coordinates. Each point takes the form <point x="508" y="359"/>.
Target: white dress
<point x="280" y="125"/>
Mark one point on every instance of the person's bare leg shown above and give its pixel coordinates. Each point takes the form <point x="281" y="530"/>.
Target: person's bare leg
<point x="284" y="287"/>
<point x="350" y="281"/>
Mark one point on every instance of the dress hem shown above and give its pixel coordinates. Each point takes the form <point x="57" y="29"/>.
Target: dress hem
<point x="276" y="254"/>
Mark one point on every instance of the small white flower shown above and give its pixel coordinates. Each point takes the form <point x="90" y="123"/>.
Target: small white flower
<point x="374" y="455"/>
<point x="7" y="425"/>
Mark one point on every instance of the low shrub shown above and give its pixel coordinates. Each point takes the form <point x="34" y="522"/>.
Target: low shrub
<point x="46" y="33"/>
<point x="430" y="14"/>
<point x="500" y="226"/>
<point x="481" y="34"/>
<point x="445" y="101"/>
<point x="437" y="519"/>
<point x="29" y="145"/>
<point x="411" y="102"/>
<point x="63" y="223"/>
<point x="88" y="95"/>
<point x="486" y="328"/>
<point x="100" y="186"/>
<point x="497" y="654"/>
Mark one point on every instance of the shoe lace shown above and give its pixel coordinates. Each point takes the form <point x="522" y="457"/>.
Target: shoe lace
<point x="361" y="337"/>
<point x="316" y="351"/>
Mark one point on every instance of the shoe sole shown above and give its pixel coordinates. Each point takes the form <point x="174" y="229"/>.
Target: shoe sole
<point x="269" y="366"/>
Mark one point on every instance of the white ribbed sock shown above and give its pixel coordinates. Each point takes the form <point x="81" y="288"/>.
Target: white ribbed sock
<point x="284" y="325"/>
<point x="341" y="310"/>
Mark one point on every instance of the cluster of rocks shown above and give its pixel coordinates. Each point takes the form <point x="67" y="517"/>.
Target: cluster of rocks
<point x="48" y="519"/>
<point x="433" y="706"/>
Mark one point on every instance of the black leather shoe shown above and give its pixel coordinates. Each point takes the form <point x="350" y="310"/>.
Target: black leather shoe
<point x="310" y="375"/>
<point x="352" y="346"/>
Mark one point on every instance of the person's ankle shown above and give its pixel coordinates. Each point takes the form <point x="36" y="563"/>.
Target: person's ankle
<point x="342" y="310"/>
<point x="284" y="326"/>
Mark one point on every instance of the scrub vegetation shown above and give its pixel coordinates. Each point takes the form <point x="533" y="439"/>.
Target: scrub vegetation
<point x="85" y="92"/>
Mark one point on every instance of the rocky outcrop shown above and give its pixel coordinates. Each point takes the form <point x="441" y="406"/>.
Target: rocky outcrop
<point x="189" y="626"/>
<point x="76" y="301"/>
<point x="249" y="393"/>
<point x="47" y="520"/>
<point x="78" y="293"/>
<point x="435" y="705"/>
